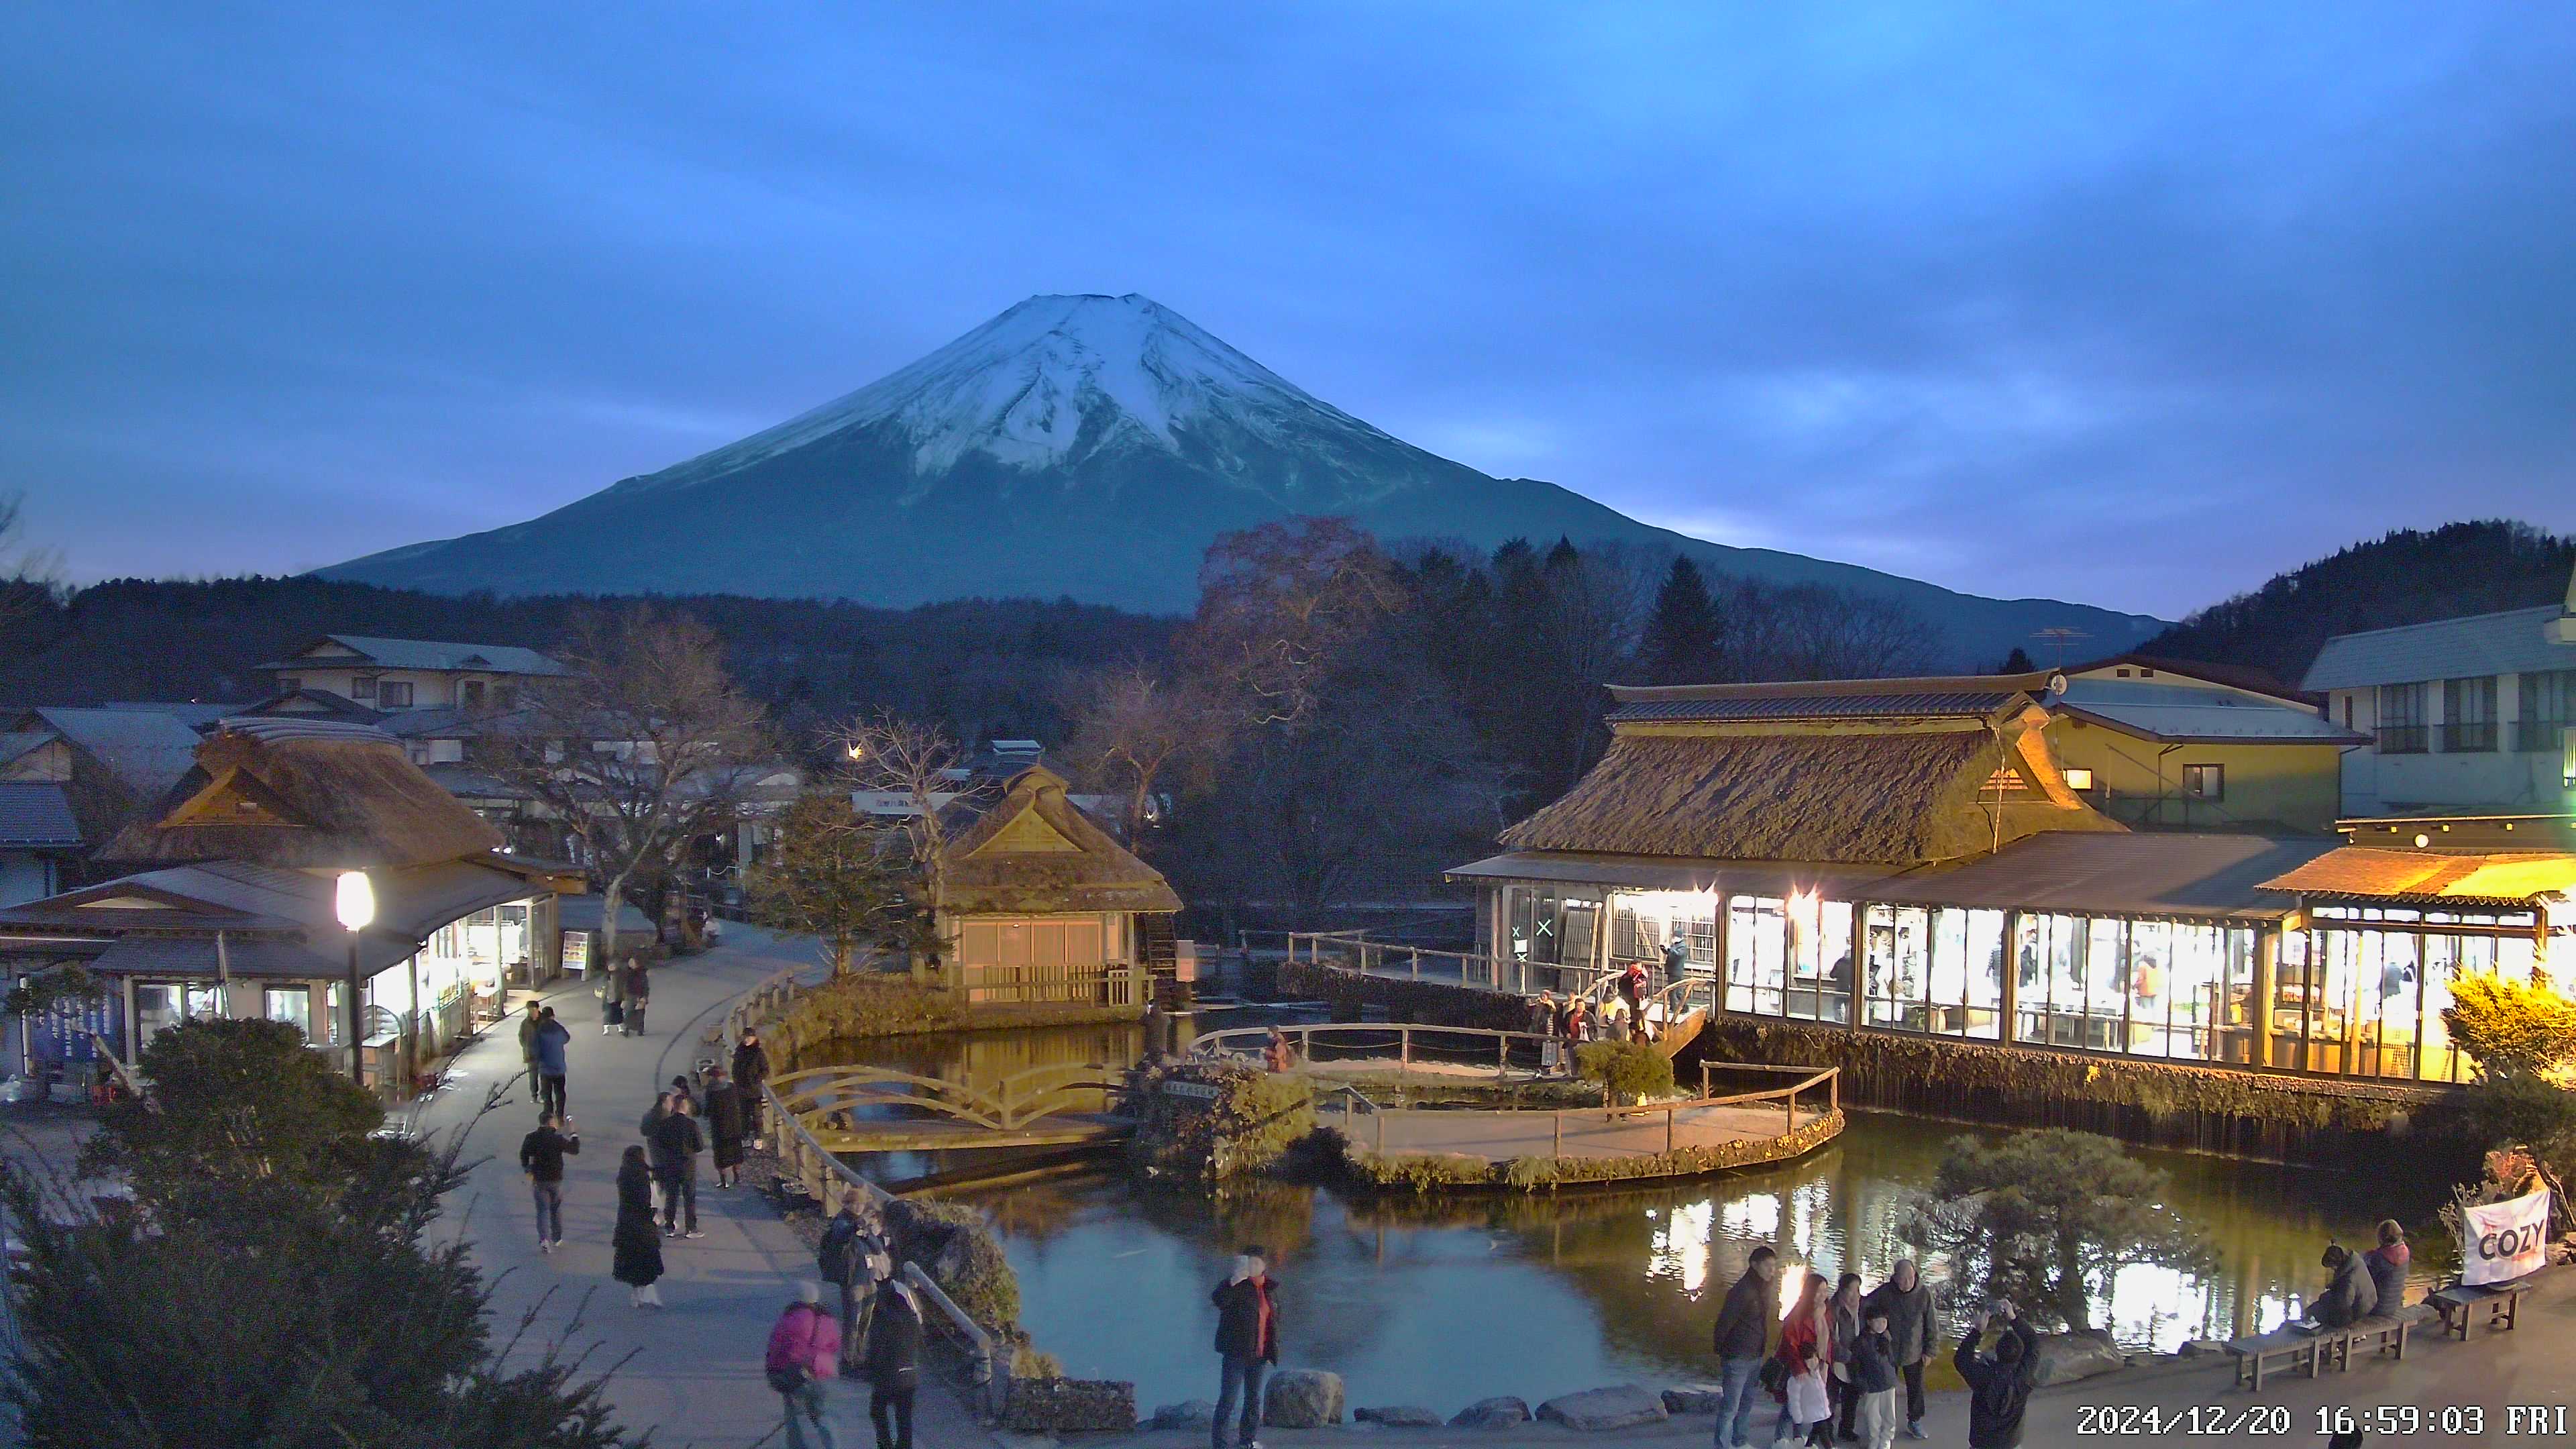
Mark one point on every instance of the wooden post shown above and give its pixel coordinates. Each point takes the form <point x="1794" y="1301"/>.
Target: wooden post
<point x="1417" y="963"/>
<point x="2266" y="989"/>
<point x="1557" y="1146"/>
<point x="1792" y="1111"/>
<point x="1502" y="1052"/>
<point x="1404" y="1047"/>
<point x="1380" y="1115"/>
<point x="1668" y="1131"/>
<point x="1834" y="1090"/>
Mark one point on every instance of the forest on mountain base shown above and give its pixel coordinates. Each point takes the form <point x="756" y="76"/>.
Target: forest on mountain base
<point x="2405" y="576"/>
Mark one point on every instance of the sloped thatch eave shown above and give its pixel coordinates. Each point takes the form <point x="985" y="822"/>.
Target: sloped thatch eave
<point x="347" y="803"/>
<point x="1098" y="874"/>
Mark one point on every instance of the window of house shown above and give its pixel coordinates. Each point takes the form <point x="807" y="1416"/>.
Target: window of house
<point x="2205" y="782"/>
<point x="2469" y="715"/>
<point x="289" y="1003"/>
<point x="472" y="694"/>
<point x="2347" y="711"/>
<point x="394" y="694"/>
<point x="362" y="686"/>
<point x="2401" y="719"/>
<point x="2079" y="778"/>
<point x="2548" y="706"/>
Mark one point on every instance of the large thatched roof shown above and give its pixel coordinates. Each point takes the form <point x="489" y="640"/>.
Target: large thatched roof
<point x="1035" y="852"/>
<point x="298" y="795"/>
<point x="1835" y="795"/>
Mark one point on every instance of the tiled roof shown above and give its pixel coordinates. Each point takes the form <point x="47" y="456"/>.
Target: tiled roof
<point x="36" y="815"/>
<point x="2188" y="713"/>
<point x="1892" y="704"/>
<point x="2360" y="870"/>
<point x="2514" y="642"/>
<point x="425" y="654"/>
<point x="146" y="751"/>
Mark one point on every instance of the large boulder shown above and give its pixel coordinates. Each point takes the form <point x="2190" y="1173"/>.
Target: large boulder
<point x="2067" y="1357"/>
<point x="1693" y="1398"/>
<point x="1187" y="1414"/>
<point x="1495" y="1413"/>
<point x="1398" y="1416"/>
<point x="1070" y="1406"/>
<point x="1621" y="1406"/>
<point x="1303" y="1399"/>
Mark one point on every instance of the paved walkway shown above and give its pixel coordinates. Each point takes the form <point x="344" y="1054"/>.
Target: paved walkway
<point x="691" y="1372"/>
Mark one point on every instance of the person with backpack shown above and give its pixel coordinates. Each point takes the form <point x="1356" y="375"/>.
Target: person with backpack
<point x="1999" y="1387"/>
<point x="552" y="1071"/>
<point x="894" y="1363"/>
<point x="804" y="1350"/>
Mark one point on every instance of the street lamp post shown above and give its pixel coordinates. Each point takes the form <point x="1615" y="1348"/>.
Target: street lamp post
<point x="356" y="907"/>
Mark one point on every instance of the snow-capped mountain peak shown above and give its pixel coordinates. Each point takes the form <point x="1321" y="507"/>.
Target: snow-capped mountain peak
<point x="1047" y="382"/>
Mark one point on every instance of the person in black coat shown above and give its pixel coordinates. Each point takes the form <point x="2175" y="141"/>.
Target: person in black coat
<point x="1999" y="1387"/>
<point x="750" y="1065"/>
<point x="638" y="1242"/>
<point x="639" y="995"/>
<point x="676" y="1163"/>
<point x="727" y="1125"/>
<point x="2350" y="1296"/>
<point x="893" y="1363"/>
<point x="1247" y="1344"/>
<point x="1746" y="1322"/>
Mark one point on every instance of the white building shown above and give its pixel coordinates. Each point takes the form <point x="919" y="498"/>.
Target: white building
<point x="2463" y="715"/>
<point x="401" y="674"/>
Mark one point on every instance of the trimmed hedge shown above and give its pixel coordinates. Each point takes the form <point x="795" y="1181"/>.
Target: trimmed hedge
<point x="1425" y="1172"/>
<point x="1251" y="1123"/>
<point x="863" y="1005"/>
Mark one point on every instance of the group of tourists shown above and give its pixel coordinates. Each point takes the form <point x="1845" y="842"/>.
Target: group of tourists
<point x="1845" y="1354"/>
<point x="625" y="991"/>
<point x="2361" y="1284"/>
<point x="877" y="1334"/>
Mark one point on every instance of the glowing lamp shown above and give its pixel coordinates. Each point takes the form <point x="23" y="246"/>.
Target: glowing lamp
<point x="355" y="902"/>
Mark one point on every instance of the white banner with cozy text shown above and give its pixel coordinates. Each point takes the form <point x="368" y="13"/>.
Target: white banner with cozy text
<point x="2505" y="1240"/>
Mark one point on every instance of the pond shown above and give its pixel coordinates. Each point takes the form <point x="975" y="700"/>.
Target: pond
<point x="1445" y="1301"/>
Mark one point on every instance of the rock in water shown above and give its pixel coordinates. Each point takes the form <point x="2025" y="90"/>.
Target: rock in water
<point x="1621" y="1406"/>
<point x="1693" y="1398"/>
<point x="1187" y="1414"/>
<point x="2067" y="1357"/>
<point x="1501" y="1413"/>
<point x="1399" y="1416"/>
<point x="1303" y="1399"/>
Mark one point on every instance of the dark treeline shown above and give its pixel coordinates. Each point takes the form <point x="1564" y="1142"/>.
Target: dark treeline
<point x="2409" y="576"/>
<point x="980" y="666"/>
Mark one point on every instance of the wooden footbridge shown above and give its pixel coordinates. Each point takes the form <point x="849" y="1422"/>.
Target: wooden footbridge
<point x="878" y="1109"/>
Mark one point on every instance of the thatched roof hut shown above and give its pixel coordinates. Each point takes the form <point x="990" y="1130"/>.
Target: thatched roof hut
<point x="1795" y="773"/>
<point x="1035" y="852"/>
<point x="306" y="795"/>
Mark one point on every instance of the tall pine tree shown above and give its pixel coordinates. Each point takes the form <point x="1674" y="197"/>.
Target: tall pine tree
<point x="1682" y="635"/>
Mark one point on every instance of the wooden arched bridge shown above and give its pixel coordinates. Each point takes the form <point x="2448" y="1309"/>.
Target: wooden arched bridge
<point x="879" y="1109"/>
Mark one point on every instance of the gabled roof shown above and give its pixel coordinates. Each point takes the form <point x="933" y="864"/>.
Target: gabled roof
<point x="2516" y="641"/>
<point x="144" y="750"/>
<point x="428" y="654"/>
<point x="1034" y="851"/>
<point x="2235" y="676"/>
<point x="37" y="815"/>
<point x="310" y="703"/>
<point x="1941" y="697"/>
<point x="296" y="794"/>
<point x="2361" y="871"/>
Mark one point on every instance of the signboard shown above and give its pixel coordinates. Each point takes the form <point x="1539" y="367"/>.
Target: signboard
<point x="63" y="1034"/>
<point x="1200" y="1090"/>
<point x="576" y="951"/>
<point x="2503" y="1241"/>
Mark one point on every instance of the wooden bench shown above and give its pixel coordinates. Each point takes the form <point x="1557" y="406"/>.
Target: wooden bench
<point x="2459" y="1305"/>
<point x="2289" y="1348"/>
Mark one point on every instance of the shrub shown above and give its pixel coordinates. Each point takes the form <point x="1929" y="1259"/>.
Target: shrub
<point x="2499" y="1112"/>
<point x="2511" y="1028"/>
<point x="1626" y="1071"/>
<point x="2046" y="1217"/>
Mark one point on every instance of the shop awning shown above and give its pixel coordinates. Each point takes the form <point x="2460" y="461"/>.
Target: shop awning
<point x="1664" y="873"/>
<point x="2142" y="873"/>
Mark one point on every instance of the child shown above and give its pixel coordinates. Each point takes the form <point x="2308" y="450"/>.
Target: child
<point x="1873" y="1378"/>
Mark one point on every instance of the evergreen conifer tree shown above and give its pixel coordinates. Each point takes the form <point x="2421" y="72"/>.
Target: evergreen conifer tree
<point x="1680" y="645"/>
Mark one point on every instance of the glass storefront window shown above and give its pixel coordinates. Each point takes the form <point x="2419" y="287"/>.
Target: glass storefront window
<point x="1820" y="966"/>
<point x="1983" y="1000"/>
<point x="1757" y="955"/>
<point x="1898" y="966"/>
<point x="289" y="1003"/>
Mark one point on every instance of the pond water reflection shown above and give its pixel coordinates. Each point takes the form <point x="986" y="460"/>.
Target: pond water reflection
<point x="1444" y="1301"/>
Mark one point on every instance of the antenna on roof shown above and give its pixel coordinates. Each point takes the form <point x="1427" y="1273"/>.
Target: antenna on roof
<point x="2060" y="638"/>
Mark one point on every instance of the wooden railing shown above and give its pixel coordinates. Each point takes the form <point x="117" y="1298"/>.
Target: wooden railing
<point x="767" y="999"/>
<point x="1112" y="983"/>
<point x="1353" y="951"/>
<point x="1365" y="1038"/>
<point x="825" y="1177"/>
<point x="1016" y="1101"/>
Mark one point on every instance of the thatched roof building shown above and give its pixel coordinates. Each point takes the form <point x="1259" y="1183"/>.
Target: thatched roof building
<point x="1850" y="772"/>
<point x="1035" y="852"/>
<point x="299" y="794"/>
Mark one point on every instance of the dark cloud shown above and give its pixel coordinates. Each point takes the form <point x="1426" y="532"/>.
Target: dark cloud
<point x="2125" y="303"/>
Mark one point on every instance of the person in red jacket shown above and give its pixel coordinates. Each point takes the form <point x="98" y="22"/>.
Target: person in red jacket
<point x="1804" y="1342"/>
<point x="804" y="1350"/>
<point x="1247" y="1344"/>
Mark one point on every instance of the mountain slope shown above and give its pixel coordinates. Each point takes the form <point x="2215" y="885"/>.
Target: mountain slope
<point x="1084" y="446"/>
<point x="2406" y="576"/>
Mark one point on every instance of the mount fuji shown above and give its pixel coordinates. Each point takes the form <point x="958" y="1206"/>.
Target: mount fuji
<point x="1087" y="446"/>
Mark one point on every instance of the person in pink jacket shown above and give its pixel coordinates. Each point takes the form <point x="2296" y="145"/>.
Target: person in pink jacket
<point x="804" y="1350"/>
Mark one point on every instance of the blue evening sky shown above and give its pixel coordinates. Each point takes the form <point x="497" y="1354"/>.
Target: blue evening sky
<point x="2127" y="303"/>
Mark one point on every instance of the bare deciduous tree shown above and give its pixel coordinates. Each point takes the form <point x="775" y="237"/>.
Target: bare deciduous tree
<point x="1134" y="729"/>
<point x="1279" y="602"/>
<point x="643" y="747"/>
<point x="927" y="772"/>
